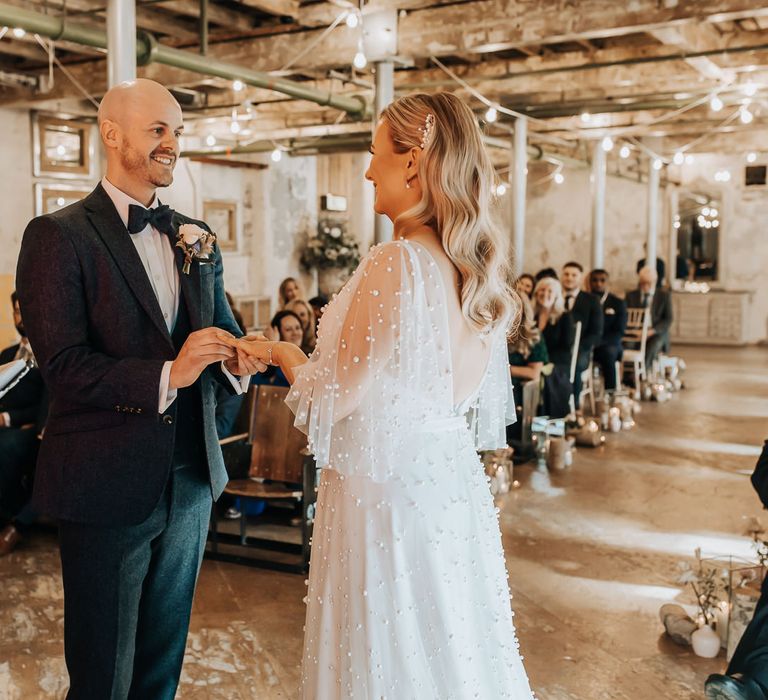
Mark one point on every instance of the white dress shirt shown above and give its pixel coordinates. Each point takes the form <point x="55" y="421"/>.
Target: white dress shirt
<point x="157" y="256"/>
<point x="23" y="353"/>
<point x="572" y="296"/>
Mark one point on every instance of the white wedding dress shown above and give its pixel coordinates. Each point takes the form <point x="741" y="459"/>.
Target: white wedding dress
<point x="408" y="596"/>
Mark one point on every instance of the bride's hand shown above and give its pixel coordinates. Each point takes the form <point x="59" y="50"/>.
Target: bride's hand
<point x="287" y="356"/>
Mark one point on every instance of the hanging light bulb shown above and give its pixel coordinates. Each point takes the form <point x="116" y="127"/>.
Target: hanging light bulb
<point x="676" y="224"/>
<point x="751" y="157"/>
<point x="19" y="33"/>
<point x="607" y="144"/>
<point x="238" y="85"/>
<point x="745" y="115"/>
<point x="715" y="104"/>
<point x="492" y="114"/>
<point x="586" y="117"/>
<point x="713" y="213"/>
<point x="715" y="223"/>
<point x="679" y="158"/>
<point x="61" y="201"/>
<point x="749" y="89"/>
<point x="234" y="127"/>
<point x="559" y="178"/>
<point x="657" y="164"/>
<point x="353" y="20"/>
<point x="625" y="151"/>
<point x="210" y="140"/>
<point x="501" y="190"/>
<point x="705" y="211"/>
<point x="360" y="61"/>
<point x="277" y="155"/>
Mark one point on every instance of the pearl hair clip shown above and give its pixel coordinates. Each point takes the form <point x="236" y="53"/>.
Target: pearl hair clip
<point x="426" y="130"/>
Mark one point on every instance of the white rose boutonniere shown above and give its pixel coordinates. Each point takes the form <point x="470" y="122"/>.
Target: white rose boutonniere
<point x="196" y="242"/>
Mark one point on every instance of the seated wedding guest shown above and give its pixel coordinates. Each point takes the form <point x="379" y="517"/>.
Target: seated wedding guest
<point x="287" y="327"/>
<point x="23" y="411"/>
<point x="525" y="285"/>
<point x="318" y="304"/>
<point x="584" y="307"/>
<point x="289" y="290"/>
<point x="661" y="267"/>
<point x="546" y="272"/>
<point x="557" y="329"/>
<point x="527" y="357"/>
<point x="609" y="350"/>
<point x="659" y="301"/>
<point x="308" y="324"/>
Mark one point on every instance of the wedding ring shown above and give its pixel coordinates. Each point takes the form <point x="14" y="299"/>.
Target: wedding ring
<point x="269" y="350"/>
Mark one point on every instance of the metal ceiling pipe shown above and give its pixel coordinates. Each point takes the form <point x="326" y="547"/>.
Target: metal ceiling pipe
<point x="121" y="41"/>
<point x="150" y="51"/>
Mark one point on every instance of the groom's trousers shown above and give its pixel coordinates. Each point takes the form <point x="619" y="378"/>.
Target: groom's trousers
<point x="128" y="595"/>
<point x="751" y="655"/>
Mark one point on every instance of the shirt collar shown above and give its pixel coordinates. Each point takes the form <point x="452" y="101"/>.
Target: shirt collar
<point x="573" y="294"/>
<point x="123" y="201"/>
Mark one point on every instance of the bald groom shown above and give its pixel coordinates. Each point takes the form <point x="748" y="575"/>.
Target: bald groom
<point x="131" y="348"/>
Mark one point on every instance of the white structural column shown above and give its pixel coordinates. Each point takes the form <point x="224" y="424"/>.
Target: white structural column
<point x="653" y="214"/>
<point x="518" y="169"/>
<point x="121" y="41"/>
<point x="598" y="205"/>
<point x="673" y="198"/>
<point x="385" y="93"/>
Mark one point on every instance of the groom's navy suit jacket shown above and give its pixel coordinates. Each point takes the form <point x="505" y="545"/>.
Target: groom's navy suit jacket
<point x="101" y="341"/>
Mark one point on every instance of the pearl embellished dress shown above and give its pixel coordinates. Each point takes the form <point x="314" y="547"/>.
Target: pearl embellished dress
<point x="408" y="596"/>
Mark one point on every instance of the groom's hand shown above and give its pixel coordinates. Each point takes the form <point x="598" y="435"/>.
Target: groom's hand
<point x="243" y="364"/>
<point x="202" y="348"/>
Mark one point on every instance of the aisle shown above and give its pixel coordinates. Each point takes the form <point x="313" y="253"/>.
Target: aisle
<point x="592" y="555"/>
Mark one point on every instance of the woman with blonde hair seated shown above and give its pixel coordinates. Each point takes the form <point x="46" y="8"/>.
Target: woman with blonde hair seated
<point x="308" y="325"/>
<point x="557" y="329"/>
<point x="290" y="289"/>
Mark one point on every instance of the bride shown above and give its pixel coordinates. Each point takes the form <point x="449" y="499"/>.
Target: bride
<point x="408" y="596"/>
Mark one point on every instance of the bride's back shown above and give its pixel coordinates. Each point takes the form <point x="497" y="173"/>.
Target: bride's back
<point x="469" y="352"/>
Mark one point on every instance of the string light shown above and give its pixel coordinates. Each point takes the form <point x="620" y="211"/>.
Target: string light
<point x="657" y="164"/>
<point x="586" y="117"/>
<point x="678" y="159"/>
<point x="277" y="155"/>
<point x="238" y="85"/>
<point x="723" y="176"/>
<point x="61" y="201"/>
<point x="210" y="140"/>
<point x="501" y="189"/>
<point x="705" y="211"/>
<point x="360" y="61"/>
<point x="715" y="104"/>
<point x="715" y="223"/>
<point x="751" y="157"/>
<point x="234" y="127"/>
<point x="607" y="144"/>
<point x="559" y="178"/>
<point x="713" y="213"/>
<point x="745" y="115"/>
<point x="491" y="115"/>
<point x="353" y="20"/>
<point x="749" y="89"/>
<point x="19" y="33"/>
<point x="625" y="151"/>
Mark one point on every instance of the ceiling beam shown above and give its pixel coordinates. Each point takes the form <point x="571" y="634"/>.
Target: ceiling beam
<point x="217" y="14"/>
<point x="279" y="8"/>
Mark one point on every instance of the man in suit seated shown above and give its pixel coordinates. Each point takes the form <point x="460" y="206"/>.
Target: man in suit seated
<point x="22" y="416"/>
<point x="586" y="308"/>
<point x="659" y="301"/>
<point x="609" y="350"/>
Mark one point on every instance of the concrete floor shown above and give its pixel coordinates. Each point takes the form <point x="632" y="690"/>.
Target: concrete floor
<point x="592" y="555"/>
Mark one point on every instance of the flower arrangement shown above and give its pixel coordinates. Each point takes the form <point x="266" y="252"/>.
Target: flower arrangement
<point x="331" y="246"/>
<point x="196" y="242"/>
<point x="707" y="585"/>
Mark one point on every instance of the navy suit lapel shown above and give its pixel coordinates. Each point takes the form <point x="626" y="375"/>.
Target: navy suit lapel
<point x="110" y="227"/>
<point x="189" y="284"/>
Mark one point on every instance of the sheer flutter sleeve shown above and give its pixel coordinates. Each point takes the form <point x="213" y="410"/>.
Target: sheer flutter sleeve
<point x="358" y="360"/>
<point x="494" y="408"/>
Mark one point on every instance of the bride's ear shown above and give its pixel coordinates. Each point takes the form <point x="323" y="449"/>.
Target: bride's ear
<point x="412" y="165"/>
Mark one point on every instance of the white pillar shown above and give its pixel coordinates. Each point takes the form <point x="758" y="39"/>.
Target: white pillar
<point x="653" y="215"/>
<point x="385" y="93"/>
<point x="121" y="41"/>
<point x="517" y="170"/>
<point x="598" y="205"/>
<point x="674" y="211"/>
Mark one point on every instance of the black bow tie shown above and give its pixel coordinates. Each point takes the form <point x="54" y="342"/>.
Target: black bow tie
<point x="160" y="218"/>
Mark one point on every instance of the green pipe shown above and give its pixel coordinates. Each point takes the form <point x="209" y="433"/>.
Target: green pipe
<point x="149" y="51"/>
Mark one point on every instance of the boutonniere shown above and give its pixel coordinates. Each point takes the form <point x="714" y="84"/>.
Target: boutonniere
<point x="196" y="242"/>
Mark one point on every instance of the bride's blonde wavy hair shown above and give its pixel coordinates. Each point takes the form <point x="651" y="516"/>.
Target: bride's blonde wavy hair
<point x="457" y="180"/>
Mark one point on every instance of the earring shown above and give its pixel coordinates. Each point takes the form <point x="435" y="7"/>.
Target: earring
<point x="407" y="185"/>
